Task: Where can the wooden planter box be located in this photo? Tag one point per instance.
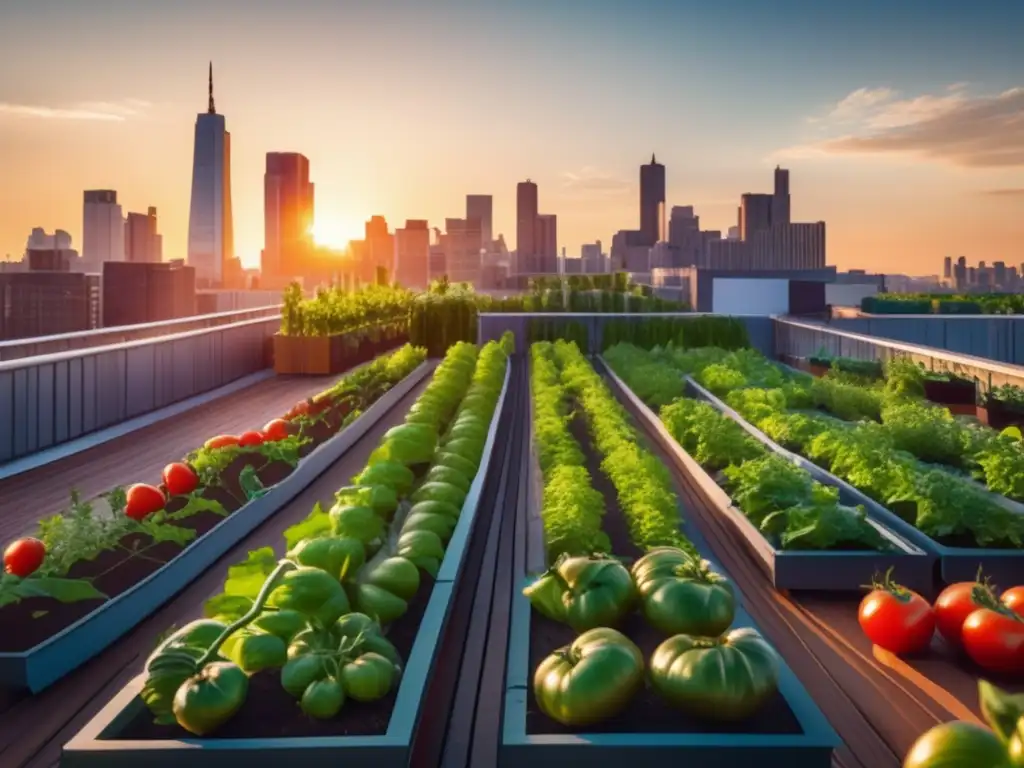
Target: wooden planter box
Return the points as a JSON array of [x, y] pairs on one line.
[[1000, 415], [959, 395], [303, 355], [819, 367]]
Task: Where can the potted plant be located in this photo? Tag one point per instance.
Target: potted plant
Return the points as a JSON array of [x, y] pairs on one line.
[[1002, 407]]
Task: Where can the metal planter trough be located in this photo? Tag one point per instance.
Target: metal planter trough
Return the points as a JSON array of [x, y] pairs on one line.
[[98, 744], [831, 570], [46, 663], [953, 564], [806, 741]]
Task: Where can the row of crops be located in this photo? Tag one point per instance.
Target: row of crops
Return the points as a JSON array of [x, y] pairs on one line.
[[944, 304]]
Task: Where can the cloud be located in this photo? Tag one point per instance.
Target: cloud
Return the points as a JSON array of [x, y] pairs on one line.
[[952, 127], [590, 180], [114, 111], [1010, 192]]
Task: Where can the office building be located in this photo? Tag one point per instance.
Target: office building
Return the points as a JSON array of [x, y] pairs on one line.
[[462, 243], [481, 207], [412, 254], [780, 198], [380, 248], [526, 226], [147, 292], [57, 247], [211, 241], [947, 267], [102, 229], [287, 216], [592, 258], [755, 214], [546, 244], [142, 241], [438, 263], [785, 247], [47, 298], [733, 233], [652, 202]]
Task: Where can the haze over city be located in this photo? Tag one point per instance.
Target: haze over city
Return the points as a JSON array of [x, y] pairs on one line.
[[901, 125]]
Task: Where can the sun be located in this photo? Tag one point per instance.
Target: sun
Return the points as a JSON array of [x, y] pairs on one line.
[[333, 232]]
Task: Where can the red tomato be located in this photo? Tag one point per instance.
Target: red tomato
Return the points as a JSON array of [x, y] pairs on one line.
[[221, 441], [896, 619], [955, 604], [301, 408], [1013, 598], [143, 501], [179, 479], [250, 439], [24, 556], [994, 639], [275, 430]]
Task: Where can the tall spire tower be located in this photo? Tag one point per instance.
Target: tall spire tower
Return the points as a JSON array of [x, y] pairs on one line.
[[211, 110], [210, 230]]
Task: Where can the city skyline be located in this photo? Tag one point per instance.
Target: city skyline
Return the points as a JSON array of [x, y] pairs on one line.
[[125, 127]]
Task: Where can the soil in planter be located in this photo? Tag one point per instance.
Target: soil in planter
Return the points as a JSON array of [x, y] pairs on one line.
[[269, 712], [647, 713]]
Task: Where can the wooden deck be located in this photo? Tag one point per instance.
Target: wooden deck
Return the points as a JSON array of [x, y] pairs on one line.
[[141, 455], [33, 730]]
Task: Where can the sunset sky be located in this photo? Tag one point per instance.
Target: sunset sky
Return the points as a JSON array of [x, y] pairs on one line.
[[902, 121]]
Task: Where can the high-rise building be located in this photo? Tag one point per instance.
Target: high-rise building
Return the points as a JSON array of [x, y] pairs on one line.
[[546, 239], [755, 214], [526, 226], [102, 229], [462, 243], [379, 251], [41, 302], [482, 207], [592, 258], [142, 241], [780, 198], [947, 267], [147, 292], [287, 216], [211, 240], [652, 202], [412, 254]]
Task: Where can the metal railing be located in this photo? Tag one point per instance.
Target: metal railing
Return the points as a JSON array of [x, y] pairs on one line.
[[17, 349], [46, 400], [802, 339]]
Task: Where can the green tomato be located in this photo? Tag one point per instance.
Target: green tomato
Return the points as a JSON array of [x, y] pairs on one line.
[[312, 592], [377, 602], [309, 641], [440, 525], [591, 680], [356, 522], [323, 699], [395, 574], [450, 476], [727, 678], [301, 672], [368, 678], [471, 450], [460, 464], [339, 556], [682, 595], [436, 507], [210, 698], [389, 473], [381, 499], [173, 662], [436, 491], [414, 545], [254, 652], [596, 591], [284, 624], [958, 745], [372, 639]]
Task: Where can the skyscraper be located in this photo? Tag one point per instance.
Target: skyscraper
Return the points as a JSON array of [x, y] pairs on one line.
[[102, 229], [652, 202], [287, 215], [412, 254], [546, 235], [482, 207], [780, 198], [142, 242], [526, 226], [755, 214], [210, 230]]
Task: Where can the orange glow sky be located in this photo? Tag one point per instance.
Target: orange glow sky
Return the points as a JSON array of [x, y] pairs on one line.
[[910, 149]]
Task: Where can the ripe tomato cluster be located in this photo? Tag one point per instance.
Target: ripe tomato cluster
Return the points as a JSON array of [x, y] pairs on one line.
[[968, 616]]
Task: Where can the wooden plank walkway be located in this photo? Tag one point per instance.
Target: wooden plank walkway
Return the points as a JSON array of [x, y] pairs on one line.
[[33, 730], [141, 455]]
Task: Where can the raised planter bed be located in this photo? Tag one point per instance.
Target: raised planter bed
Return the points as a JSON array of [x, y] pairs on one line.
[[999, 414], [325, 355], [40, 666], [959, 395], [788, 731], [384, 743], [838, 570], [954, 564]]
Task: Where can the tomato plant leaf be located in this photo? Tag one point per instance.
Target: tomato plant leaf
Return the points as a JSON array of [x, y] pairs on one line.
[[316, 524]]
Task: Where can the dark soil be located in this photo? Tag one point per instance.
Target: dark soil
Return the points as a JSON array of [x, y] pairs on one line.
[[270, 712], [647, 713], [137, 556]]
